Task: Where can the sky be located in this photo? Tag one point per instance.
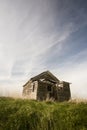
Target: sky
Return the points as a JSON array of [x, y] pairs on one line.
[[40, 35]]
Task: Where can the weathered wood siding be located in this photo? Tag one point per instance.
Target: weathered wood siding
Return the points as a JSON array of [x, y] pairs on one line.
[[38, 90], [63, 93], [43, 93], [30, 90]]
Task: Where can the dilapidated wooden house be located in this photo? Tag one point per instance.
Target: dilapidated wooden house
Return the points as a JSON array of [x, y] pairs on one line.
[[46, 86]]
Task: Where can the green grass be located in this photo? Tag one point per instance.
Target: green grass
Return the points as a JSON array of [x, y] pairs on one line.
[[22, 114]]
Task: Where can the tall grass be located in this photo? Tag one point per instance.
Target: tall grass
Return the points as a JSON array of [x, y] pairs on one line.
[[23, 114]]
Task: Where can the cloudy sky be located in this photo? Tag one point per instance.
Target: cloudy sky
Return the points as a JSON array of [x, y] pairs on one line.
[[40, 35]]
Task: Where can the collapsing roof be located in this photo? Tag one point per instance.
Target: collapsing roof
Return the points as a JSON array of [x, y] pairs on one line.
[[46, 75]]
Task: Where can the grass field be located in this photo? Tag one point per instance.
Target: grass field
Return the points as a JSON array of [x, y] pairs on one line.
[[23, 114]]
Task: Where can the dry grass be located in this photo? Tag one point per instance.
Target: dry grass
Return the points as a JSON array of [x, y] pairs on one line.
[[78, 100]]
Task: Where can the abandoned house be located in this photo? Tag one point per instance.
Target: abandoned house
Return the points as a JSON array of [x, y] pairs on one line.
[[46, 86]]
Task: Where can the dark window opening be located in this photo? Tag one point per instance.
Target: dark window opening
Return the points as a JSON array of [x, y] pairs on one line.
[[49, 88], [33, 87]]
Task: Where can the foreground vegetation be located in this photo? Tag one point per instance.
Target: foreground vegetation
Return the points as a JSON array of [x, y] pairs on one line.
[[19, 114]]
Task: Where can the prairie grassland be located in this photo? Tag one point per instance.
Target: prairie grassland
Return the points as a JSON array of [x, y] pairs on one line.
[[24, 114]]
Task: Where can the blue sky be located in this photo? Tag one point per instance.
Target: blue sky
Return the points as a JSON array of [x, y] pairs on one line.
[[37, 35]]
